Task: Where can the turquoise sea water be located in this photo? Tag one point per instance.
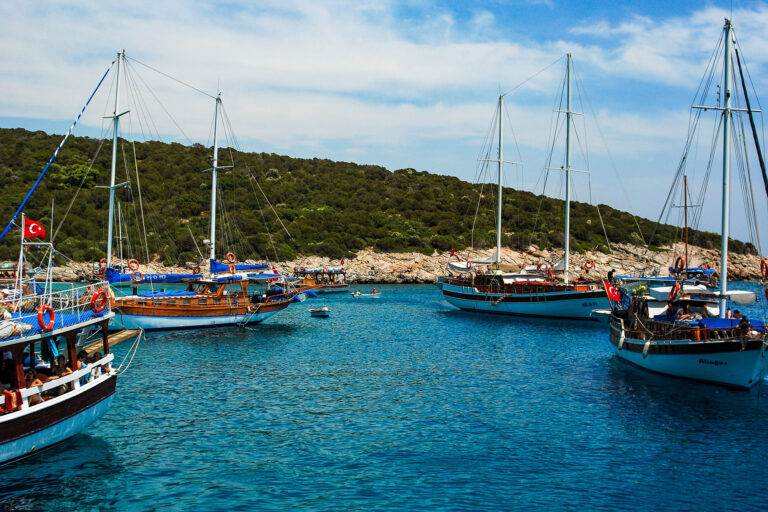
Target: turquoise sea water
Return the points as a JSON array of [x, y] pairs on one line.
[[401, 403]]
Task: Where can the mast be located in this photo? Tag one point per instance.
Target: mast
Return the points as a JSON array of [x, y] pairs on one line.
[[501, 154], [685, 215], [567, 244], [726, 168], [116, 119], [214, 167]]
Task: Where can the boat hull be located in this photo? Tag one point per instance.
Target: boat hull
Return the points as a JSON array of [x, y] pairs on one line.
[[157, 322], [41, 426], [566, 304], [718, 362], [333, 289]]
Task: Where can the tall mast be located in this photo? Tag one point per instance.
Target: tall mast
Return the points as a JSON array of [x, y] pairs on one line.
[[501, 159], [214, 168], [726, 168], [567, 244], [685, 209], [115, 119]]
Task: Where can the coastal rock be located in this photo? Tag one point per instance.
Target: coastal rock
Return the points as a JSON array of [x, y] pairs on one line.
[[372, 267]]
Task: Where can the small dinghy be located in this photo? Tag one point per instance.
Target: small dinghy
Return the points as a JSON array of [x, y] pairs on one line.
[[373, 295], [321, 312]]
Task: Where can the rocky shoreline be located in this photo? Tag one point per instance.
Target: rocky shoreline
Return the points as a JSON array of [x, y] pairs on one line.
[[369, 267]]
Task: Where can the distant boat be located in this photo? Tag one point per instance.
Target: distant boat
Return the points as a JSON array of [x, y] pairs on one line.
[[482, 285], [372, 295], [320, 312], [684, 340], [322, 279]]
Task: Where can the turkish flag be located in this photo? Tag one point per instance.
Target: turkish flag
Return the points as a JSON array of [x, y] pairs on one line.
[[612, 292], [33, 229]]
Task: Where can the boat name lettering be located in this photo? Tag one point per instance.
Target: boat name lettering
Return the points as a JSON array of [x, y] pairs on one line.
[[589, 304], [712, 362]]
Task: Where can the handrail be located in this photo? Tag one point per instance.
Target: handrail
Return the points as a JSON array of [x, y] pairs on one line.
[[66, 379], [74, 301]]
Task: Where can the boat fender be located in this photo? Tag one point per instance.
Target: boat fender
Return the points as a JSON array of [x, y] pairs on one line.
[[673, 292], [679, 264], [42, 310], [112, 298], [137, 276], [622, 338], [589, 265], [645, 348], [231, 257], [133, 264], [764, 268], [99, 301]]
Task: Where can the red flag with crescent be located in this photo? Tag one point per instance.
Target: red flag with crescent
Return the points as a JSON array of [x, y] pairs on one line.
[[612, 292], [33, 229]]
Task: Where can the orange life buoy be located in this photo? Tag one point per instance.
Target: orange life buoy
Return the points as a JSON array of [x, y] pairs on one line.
[[232, 269], [42, 310], [589, 265], [196, 270], [103, 263], [137, 276], [679, 264], [542, 266], [231, 257], [99, 301], [674, 290], [764, 267]]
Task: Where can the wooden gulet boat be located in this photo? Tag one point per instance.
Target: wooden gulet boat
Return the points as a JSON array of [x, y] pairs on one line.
[[322, 279], [725, 351], [529, 293], [221, 299], [47, 402]]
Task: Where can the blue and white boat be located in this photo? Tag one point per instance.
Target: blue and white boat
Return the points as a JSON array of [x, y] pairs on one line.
[[691, 343], [482, 285]]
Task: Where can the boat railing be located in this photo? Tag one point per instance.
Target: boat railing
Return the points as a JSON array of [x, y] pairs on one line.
[[35, 313], [90, 373]]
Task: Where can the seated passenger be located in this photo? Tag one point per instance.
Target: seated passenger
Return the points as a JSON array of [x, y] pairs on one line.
[[31, 381]]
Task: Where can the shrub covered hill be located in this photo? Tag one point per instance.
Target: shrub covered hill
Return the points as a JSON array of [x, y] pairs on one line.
[[325, 208]]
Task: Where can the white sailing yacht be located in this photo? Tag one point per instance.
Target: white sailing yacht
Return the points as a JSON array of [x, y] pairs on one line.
[[483, 285], [724, 351]]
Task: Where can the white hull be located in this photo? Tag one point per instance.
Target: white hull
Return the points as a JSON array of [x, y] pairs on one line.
[[148, 322], [331, 290], [701, 360], [569, 304]]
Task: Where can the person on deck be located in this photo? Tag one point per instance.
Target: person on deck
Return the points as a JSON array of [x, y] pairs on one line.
[[743, 327]]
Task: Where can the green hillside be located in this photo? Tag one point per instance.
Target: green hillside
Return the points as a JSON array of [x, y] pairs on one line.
[[329, 208]]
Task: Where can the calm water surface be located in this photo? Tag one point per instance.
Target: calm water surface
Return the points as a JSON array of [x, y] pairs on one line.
[[401, 403]]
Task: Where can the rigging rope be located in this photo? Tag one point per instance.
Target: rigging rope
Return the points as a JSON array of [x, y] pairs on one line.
[[55, 153]]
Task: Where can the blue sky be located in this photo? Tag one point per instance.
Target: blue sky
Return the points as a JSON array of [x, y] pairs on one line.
[[399, 84]]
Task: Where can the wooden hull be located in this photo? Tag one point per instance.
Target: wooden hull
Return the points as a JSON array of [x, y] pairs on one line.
[[195, 312], [30, 430]]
